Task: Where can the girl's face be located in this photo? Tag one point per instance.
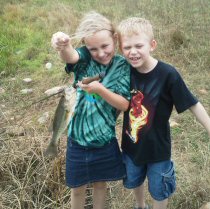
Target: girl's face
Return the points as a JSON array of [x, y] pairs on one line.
[[101, 46]]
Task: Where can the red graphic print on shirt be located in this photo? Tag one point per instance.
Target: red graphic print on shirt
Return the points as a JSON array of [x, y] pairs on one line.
[[138, 115]]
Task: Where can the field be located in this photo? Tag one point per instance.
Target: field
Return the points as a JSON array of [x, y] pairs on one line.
[[27, 179]]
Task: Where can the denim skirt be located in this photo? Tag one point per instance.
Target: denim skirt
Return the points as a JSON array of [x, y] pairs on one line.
[[87, 165]]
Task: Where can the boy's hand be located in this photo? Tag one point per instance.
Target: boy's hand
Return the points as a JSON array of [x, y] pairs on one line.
[[60, 41], [93, 87]]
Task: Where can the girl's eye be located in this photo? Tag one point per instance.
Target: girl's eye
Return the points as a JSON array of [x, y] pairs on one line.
[[92, 50], [126, 48], [104, 46]]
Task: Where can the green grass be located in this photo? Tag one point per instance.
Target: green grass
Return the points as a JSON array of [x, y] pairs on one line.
[[27, 179]]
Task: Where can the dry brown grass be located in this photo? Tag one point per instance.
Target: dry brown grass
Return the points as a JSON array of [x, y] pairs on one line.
[[27, 179]]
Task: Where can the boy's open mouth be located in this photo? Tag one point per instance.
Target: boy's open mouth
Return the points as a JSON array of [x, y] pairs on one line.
[[134, 58]]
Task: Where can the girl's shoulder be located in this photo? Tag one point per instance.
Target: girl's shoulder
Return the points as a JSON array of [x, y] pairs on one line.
[[84, 54], [120, 59], [119, 56]]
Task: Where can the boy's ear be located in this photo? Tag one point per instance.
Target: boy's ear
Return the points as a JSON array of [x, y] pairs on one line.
[[153, 45]]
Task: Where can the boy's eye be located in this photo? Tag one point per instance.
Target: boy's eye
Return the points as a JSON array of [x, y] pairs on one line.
[[139, 46]]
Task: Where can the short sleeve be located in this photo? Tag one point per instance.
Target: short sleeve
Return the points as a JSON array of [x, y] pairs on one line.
[[80, 67], [84, 59], [123, 83], [182, 97]]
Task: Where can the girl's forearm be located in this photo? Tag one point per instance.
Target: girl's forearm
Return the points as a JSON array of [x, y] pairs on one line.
[[116, 100], [69, 55]]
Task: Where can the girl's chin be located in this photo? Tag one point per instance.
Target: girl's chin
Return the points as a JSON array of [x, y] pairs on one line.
[[105, 62]]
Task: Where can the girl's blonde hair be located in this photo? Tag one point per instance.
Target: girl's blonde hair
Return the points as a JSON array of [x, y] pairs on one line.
[[91, 23], [135, 26]]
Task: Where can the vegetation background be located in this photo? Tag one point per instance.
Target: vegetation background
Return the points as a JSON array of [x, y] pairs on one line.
[[27, 179]]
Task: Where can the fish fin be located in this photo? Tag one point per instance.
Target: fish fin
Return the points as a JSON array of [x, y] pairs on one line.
[[51, 151]]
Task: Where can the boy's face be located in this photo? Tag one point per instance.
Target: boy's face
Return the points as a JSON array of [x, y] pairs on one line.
[[136, 49], [101, 46]]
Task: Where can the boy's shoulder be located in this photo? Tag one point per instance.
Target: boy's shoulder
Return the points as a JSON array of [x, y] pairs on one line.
[[168, 72], [166, 66], [167, 69]]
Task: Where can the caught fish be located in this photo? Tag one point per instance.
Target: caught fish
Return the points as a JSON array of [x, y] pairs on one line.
[[61, 119], [63, 114], [87, 80]]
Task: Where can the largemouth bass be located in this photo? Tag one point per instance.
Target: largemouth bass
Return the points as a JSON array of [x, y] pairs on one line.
[[63, 114], [61, 119]]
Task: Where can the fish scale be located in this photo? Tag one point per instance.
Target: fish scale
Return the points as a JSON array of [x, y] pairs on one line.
[[62, 118]]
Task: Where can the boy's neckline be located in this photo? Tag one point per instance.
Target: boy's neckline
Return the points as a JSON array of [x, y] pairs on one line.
[[150, 68]]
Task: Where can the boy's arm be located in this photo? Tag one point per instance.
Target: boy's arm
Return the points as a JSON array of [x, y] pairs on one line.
[[202, 116], [116, 100], [62, 43]]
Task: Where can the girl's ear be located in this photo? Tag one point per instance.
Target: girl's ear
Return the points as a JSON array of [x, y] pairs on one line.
[[153, 45], [115, 37], [83, 41]]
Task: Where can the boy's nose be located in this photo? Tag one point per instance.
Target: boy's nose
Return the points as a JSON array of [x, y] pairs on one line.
[[133, 51]]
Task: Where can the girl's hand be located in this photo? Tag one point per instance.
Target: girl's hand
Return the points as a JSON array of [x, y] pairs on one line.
[[60, 41], [93, 87]]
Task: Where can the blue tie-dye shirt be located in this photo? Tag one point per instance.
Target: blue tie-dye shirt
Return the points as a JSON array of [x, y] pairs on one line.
[[93, 122]]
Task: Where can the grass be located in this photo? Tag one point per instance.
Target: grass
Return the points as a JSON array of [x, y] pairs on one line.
[[27, 179]]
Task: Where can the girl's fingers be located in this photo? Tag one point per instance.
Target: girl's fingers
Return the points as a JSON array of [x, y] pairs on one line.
[[60, 40]]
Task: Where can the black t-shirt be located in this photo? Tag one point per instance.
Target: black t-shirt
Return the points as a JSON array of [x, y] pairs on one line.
[[146, 131]]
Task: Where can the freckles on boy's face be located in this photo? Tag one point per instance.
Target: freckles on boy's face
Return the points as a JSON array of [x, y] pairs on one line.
[[136, 49]]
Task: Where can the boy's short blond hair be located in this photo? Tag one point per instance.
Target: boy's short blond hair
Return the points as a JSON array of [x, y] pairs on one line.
[[135, 26], [91, 23]]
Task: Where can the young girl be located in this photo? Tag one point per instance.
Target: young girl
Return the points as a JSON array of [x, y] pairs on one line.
[[93, 154]]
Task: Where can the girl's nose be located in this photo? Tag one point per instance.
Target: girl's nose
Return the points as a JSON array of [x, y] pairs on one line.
[[101, 53]]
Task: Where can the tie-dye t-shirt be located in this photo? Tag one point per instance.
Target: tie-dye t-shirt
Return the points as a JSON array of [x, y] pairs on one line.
[[93, 121]]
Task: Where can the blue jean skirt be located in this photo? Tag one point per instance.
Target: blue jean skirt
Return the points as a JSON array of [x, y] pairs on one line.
[[87, 165]]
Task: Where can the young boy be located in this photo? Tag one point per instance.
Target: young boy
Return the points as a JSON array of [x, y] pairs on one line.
[[155, 87]]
